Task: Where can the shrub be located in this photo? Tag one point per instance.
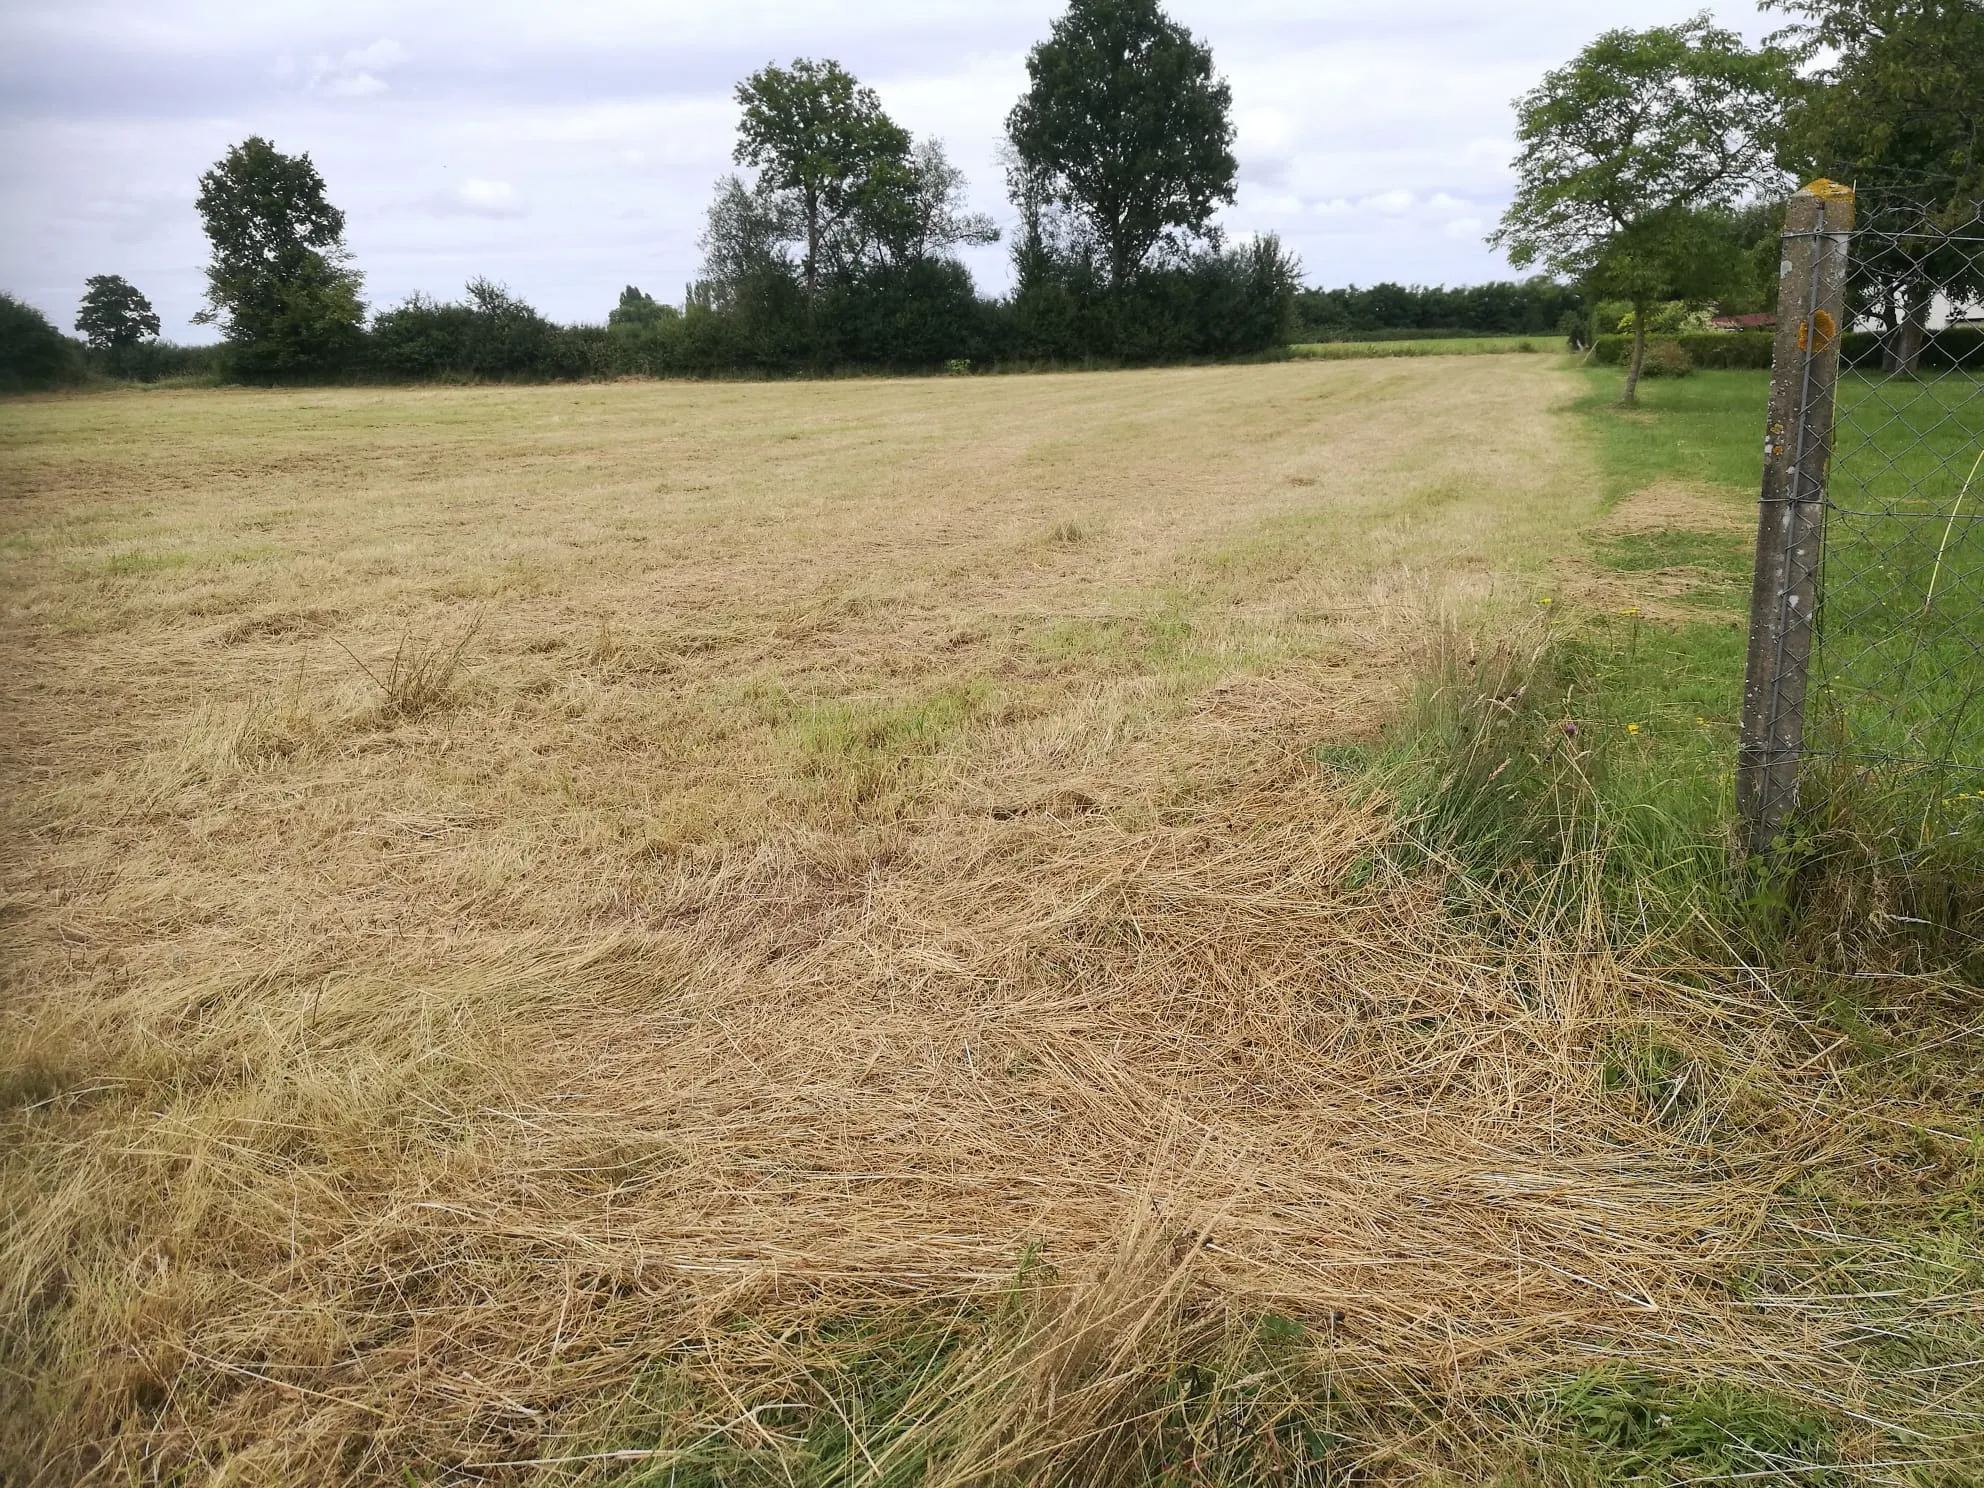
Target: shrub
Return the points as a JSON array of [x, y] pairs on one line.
[[1665, 358], [151, 361], [1383, 312], [1721, 349], [492, 335], [920, 314], [1959, 347], [1229, 303], [302, 326], [33, 354]]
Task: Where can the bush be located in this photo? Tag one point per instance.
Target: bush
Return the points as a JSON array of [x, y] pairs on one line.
[[1227, 303], [1722, 349], [1666, 359], [916, 315], [492, 335], [303, 325], [1383, 312], [152, 361], [1959, 348], [1667, 318], [33, 354]]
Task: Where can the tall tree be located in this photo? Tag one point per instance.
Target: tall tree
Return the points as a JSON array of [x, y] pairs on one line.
[[1893, 102], [811, 129], [278, 280], [114, 313], [1633, 156], [638, 310], [744, 240], [1125, 126], [910, 210], [1898, 91]]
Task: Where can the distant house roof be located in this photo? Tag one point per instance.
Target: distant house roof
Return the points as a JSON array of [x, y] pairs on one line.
[[1744, 322]]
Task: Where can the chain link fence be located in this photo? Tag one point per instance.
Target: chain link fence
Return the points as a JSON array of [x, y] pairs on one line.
[[1866, 673]]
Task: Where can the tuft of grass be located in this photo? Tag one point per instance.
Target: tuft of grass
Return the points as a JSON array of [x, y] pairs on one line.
[[1564, 771], [1066, 534], [422, 678], [143, 563], [1885, 872], [1643, 1429], [875, 756]]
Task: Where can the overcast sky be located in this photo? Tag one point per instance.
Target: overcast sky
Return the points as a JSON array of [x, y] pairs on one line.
[[569, 148]]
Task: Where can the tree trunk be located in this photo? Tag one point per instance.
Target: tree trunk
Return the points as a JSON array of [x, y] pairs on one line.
[[1632, 392], [812, 242], [1116, 235], [1911, 334]]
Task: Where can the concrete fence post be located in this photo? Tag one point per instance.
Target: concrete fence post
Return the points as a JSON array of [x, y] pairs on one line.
[[1811, 313]]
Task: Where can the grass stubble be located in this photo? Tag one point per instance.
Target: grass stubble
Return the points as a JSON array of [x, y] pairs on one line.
[[861, 897]]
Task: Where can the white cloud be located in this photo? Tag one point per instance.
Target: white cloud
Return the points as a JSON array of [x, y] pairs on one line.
[[382, 54], [480, 198], [352, 85], [353, 75], [1272, 131]]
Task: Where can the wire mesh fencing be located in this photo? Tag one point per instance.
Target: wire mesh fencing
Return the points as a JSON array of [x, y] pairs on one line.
[[1866, 676]]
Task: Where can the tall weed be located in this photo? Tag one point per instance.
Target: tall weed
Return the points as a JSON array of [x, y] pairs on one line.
[[1522, 765]]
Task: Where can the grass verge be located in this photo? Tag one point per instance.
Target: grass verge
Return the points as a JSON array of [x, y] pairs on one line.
[[1606, 734], [1580, 774]]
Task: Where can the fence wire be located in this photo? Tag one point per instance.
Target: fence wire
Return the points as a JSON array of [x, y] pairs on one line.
[[1898, 668]]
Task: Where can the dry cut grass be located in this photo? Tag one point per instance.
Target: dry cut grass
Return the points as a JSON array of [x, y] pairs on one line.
[[523, 905]]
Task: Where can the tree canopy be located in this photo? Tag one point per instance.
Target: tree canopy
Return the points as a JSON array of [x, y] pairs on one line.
[[1634, 157], [910, 209], [813, 130], [1893, 103], [1125, 127], [114, 313], [638, 308], [744, 240], [1897, 98], [278, 281]]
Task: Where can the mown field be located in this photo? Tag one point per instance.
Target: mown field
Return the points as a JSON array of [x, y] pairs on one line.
[[843, 932]]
